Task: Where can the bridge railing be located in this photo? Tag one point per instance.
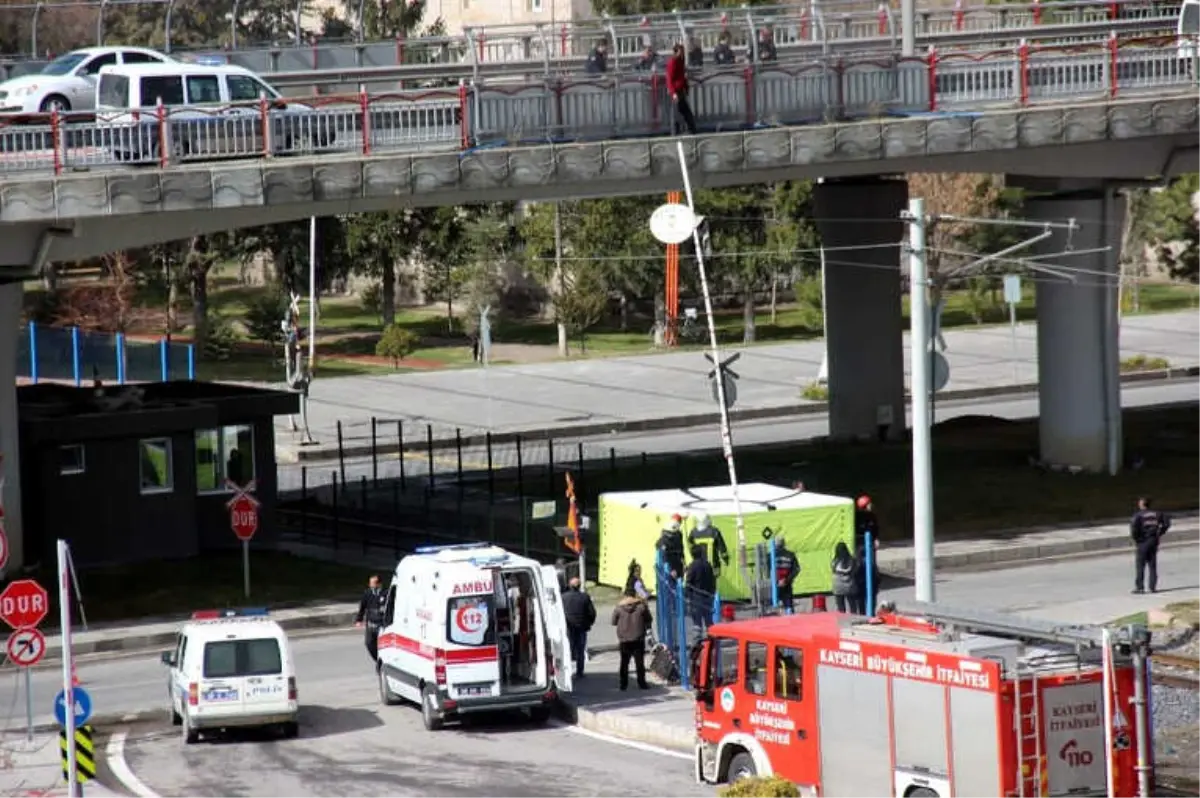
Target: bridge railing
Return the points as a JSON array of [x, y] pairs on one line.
[[823, 22], [68, 354], [561, 110]]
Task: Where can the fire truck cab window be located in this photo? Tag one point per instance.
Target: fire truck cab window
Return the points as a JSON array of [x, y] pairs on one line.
[[756, 668], [725, 662], [788, 668]]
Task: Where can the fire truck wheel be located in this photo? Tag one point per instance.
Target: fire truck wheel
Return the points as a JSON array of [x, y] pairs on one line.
[[741, 767], [429, 713]]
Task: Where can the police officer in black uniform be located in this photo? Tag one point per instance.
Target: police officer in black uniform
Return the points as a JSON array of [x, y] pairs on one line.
[[370, 615], [1147, 528], [670, 543]]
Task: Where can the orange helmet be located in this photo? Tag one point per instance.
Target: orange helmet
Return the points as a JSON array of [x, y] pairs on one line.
[[863, 502]]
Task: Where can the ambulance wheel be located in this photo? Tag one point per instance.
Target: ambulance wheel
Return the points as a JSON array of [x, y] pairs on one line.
[[386, 696], [175, 719], [921, 792], [190, 735], [741, 767], [539, 714], [429, 712]]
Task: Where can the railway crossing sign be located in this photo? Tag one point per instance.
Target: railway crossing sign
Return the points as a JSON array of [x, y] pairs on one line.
[[26, 647], [243, 510], [23, 604], [80, 701], [85, 753]]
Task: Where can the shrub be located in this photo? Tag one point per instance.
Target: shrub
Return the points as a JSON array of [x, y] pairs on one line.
[[397, 343], [371, 299], [815, 392], [221, 338], [264, 315], [761, 787], [1144, 363]]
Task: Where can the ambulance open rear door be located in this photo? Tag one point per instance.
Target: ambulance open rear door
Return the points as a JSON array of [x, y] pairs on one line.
[[556, 630]]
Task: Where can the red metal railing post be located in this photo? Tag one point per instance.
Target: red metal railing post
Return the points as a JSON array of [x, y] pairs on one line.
[[160, 116], [1114, 10], [1023, 72], [1113, 82], [482, 41], [364, 109], [748, 81], [1037, 12], [959, 15], [931, 62], [655, 112], [883, 20], [805, 25], [56, 142], [564, 37], [464, 107], [400, 48]]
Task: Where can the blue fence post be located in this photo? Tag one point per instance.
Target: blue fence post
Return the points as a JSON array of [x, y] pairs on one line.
[[774, 581], [163, 368], [682, 630], [869, 566], [191, 361], [75, 356], [716, 608], [662, 599], [33, 353], [120, 358]]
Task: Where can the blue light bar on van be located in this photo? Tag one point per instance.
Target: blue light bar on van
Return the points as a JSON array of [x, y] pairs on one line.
[[206, 60], [239, 612], [483, 562], [451, 547]]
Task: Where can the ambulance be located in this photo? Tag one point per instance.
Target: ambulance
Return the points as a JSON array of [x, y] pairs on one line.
[[931, 702], [472, 628]]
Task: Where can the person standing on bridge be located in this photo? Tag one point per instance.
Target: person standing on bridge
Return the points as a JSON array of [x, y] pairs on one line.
[[1147, 528], [370, 614], [677, 87]]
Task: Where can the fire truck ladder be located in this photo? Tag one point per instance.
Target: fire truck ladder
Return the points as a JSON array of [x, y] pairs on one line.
[[1029, 764], [1028, 629]]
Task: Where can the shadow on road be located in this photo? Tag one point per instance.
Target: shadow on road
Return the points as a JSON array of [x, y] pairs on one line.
[[320, 721]]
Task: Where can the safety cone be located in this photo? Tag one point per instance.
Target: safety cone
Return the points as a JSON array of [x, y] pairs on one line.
[[74, 676]]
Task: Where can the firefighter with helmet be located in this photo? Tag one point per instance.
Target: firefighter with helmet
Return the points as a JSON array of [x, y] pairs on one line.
[[865, 521], [670, 543], [708, 536]]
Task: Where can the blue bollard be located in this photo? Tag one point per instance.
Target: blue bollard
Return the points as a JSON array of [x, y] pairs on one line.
[[75, 369], [33, 353], [164, 369], [869, 567], [191, 361], [716, 610], [682, 630], [120, 358], [662, 600], [774, 581]]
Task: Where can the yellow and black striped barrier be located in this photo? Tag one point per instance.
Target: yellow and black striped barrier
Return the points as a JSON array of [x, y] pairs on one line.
[[85, 758]]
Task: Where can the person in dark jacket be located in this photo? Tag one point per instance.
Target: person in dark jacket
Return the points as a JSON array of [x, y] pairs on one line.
[[695, 54], [1147, 528], [597, 60], [634, 582], [766, 46], [580, 613], [370, 615], [865, 521], [723, 54], [846, 590], [670, 543], [700, 585], [787, 568], [632, 618], [648, 60], [677, 87]]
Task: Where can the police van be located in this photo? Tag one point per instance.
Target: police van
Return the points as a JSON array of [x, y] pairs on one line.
[[473, 628], [231, 669]]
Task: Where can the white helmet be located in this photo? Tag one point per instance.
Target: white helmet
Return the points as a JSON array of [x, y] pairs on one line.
[[703, 521]]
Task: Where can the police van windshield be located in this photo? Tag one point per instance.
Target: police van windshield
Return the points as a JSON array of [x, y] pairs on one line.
[[469, 621], [225, 659]]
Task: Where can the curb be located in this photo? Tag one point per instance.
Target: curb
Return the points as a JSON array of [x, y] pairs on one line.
[[650, 732], [355, 449]]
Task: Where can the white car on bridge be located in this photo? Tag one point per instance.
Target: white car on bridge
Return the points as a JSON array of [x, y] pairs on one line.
[[68, 83]]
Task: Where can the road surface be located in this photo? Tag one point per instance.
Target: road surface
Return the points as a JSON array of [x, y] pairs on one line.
[[750, 433]]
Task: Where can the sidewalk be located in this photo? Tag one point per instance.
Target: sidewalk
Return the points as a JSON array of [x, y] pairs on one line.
[[1012, 547], [34, 768]]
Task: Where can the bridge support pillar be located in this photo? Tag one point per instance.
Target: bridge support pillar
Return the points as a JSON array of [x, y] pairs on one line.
[[10, 467], [863, 324], [1079, 385]]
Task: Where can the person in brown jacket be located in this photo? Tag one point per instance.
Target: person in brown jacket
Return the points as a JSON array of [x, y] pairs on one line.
[[632, 618]]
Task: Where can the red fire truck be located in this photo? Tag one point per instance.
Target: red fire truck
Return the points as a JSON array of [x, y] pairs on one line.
[[924, 702]]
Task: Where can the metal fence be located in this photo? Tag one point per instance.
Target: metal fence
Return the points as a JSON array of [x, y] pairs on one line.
[[69, 354], [559, 110]]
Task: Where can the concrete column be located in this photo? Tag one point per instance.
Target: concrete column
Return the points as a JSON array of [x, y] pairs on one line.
[[1079, 387], [10, 468], [864, 324]]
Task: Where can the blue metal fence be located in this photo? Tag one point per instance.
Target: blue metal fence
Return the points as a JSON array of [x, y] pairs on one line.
[[69, 354]]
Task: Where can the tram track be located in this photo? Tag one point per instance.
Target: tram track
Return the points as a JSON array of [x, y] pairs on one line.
[[1176, 670]]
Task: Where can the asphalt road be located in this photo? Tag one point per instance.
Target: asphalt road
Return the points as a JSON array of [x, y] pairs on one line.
[[350, 745], [751, 433]]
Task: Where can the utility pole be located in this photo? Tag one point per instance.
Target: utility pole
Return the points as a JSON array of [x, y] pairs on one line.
[[908, 24], [918, 343], [562, 281]]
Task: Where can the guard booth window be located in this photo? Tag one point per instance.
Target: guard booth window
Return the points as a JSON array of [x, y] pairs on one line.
[[725, 662], [756, 668], [789, 681]]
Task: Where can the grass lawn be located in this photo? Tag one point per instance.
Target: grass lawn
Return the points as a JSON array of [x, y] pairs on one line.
[[176, 588], [983, 481]]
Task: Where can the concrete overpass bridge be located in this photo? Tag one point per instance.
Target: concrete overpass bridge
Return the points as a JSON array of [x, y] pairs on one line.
[[1071, 126]]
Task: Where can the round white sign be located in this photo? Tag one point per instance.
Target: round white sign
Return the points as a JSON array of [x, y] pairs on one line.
[[727, 699], [672, 223]]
